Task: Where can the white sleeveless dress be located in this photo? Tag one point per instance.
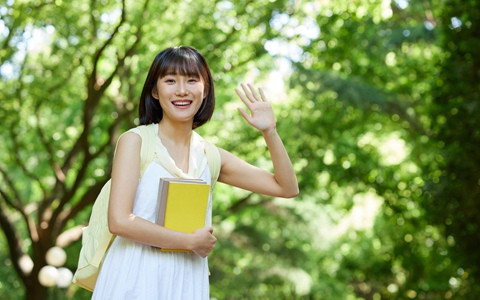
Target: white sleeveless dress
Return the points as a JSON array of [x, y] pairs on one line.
[[133, 270]]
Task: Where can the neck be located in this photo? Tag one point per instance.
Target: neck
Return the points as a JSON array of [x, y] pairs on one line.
[[179, 133]]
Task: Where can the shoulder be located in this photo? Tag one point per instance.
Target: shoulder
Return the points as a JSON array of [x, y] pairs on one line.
[[129, 140], [135, 134], [143, 130], [130, 136]]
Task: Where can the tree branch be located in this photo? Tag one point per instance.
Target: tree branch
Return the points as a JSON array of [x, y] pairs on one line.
[[13, 240], [14, 136], [69, 236], [93, 98], [6, 41], [61, 216], [121, 59], [64, 217], [93, 21], [88, 198], [7, 50], [92, 83], [18, 206], [89, 157], [240, 204], [59, 173]]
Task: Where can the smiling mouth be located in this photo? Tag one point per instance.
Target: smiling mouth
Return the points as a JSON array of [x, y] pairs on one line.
[[182, 103]]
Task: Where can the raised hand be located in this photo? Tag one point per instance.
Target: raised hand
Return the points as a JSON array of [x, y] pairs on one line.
[[261, 113]]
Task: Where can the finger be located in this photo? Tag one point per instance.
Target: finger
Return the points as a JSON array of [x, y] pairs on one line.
[[262, 94], [242, 97], [254, 93], [247, 93], [244, 115]]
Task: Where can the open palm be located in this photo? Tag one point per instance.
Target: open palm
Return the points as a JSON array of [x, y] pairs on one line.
[[261, 113]]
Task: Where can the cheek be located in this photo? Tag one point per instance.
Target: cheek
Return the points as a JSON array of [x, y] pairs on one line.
[[164, 92]]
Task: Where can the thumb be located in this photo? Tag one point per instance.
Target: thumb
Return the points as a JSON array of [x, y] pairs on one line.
[[244, 114]]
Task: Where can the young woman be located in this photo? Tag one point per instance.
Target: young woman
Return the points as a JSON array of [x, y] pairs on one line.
[[178, 96]]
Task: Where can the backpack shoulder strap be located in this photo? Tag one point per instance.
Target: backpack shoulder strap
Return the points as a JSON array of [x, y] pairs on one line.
[[147, 152], [214, 161]]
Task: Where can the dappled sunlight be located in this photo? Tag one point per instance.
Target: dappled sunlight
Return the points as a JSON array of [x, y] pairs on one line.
[[393, 150], [361, 216], [300, 279], [328, 224], [391, 147]]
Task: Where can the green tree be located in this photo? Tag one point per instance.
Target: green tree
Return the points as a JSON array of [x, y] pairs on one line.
[[453, 194], [378, 81], [380, 117]]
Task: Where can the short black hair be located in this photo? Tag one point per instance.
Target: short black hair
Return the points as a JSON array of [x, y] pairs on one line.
[[182, 60]]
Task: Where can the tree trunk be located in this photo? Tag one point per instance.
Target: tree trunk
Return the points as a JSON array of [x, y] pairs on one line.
[[35, 291]]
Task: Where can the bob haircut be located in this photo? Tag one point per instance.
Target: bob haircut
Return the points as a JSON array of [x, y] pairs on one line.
[[178, 60]]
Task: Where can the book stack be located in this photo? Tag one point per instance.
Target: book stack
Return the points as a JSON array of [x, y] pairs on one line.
[[182, 205]]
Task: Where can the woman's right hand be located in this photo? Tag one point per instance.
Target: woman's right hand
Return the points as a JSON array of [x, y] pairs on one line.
[[203, 241]]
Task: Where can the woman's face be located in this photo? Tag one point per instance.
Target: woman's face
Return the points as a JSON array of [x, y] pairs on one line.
[[180, 96]]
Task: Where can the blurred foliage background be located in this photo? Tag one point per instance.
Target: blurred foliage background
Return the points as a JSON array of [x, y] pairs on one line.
[[378, 102]]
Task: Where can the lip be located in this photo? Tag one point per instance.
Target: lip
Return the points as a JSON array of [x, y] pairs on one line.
[[182, 103]]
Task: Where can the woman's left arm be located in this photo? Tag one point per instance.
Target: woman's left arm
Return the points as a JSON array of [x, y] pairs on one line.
[[236, 172]]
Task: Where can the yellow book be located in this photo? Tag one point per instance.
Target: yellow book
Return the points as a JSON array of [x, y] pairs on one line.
[[182, 205]]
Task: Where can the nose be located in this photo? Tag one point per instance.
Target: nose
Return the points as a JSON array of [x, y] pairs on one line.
[[181, 89]]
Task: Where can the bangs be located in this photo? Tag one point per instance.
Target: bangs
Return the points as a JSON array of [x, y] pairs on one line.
[[181, 63]]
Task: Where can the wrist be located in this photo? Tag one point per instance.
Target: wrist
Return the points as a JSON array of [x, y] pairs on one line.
[[269, 131], [189, 241]]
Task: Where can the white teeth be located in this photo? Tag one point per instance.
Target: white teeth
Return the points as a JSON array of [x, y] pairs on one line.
[[181, 103]]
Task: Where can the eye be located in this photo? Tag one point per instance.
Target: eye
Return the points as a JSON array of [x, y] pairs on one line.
[[192, 79], [169, 80]]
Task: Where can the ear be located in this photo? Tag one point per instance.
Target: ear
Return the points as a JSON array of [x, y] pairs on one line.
[[155, 93]]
